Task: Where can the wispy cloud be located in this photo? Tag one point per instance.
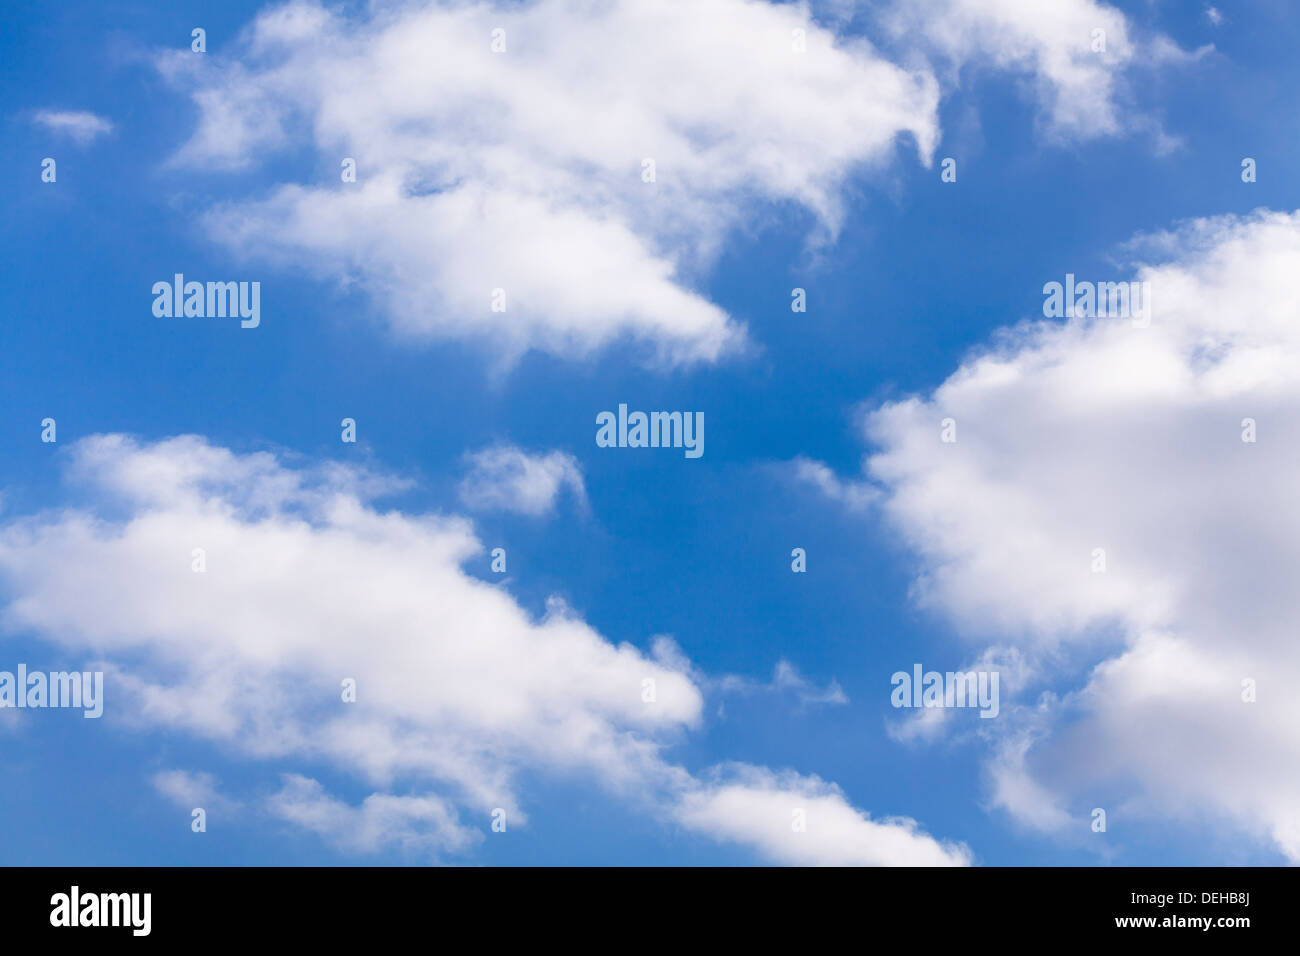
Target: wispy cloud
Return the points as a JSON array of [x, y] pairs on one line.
[[78, 125], [506, 478], [190, 789], [425, 825], [1083, 56], [786, 679], [856, 495]]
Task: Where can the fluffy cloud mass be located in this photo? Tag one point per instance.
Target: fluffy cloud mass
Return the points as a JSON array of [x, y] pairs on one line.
[[301, 585], [821, 827], [559, 175], [525, 170], [1103, 434]]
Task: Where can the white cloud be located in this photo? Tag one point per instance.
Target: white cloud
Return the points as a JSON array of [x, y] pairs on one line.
[[787, 679], [189, 790], [423, 824], [854, 495], [1014, 670], [78, 125], [754, 805], [1079, 54], [505, 478], [458, 689], [307, 586], [1098, 433], [523, 170]]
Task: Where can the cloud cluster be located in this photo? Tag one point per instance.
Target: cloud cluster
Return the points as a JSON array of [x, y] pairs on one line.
[[305, 585], [560, 175], [1079, 55], [525, 169], [1101, 438]]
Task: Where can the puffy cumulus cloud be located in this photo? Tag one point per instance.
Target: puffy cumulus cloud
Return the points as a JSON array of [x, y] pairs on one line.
[[81, 126], [817, 825], [523, 170], [306, 585], [1079, 53], [1102, 434], [505, 478]]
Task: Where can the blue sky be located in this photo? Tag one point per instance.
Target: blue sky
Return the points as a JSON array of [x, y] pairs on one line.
[[916, 276]]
